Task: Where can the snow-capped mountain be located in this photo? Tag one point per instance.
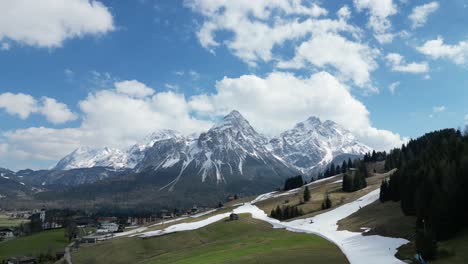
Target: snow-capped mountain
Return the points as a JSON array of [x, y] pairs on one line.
[[85, 157], [136, 153], [312, 143], [229, 151]]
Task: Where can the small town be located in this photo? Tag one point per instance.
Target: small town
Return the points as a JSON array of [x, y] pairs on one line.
[[72, 228]]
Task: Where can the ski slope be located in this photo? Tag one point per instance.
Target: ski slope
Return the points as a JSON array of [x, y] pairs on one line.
[[357, 248]]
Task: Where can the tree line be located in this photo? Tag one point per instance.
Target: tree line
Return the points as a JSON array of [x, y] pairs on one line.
[[286, 212], [333, 169], [430, 183]]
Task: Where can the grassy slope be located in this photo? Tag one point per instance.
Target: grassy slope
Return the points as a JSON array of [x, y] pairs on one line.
[[318, 192], [243, 241], [5, 220], [387, 219], [53, 240]]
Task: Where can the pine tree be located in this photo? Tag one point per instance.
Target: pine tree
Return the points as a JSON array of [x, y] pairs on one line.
[[344, 167], [306, 194], [332, 169], [350, 164]]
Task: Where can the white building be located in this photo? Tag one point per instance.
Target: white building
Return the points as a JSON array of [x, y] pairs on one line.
[[111, 227]]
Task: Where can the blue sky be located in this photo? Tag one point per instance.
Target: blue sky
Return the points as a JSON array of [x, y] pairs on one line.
[[387, 70]]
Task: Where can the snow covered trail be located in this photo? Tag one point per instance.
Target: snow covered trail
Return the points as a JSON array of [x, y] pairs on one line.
[[136, 231], [276, 194], [357, 248]]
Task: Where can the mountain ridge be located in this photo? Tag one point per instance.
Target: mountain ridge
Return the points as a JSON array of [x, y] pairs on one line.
[[307, 147]]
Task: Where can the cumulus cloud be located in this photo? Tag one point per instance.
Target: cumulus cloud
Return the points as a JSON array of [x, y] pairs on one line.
[[353, 61], [271, 110], [23, 105], [259, 27], [114, 119], [56, 112], [19, 104], [133, 88], [420, 13], [109, 118], [344, 13], [398, 64], [48, 23], [254, 37], [379, 13], [437, 49]]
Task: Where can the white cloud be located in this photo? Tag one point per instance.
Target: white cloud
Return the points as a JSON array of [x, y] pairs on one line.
[[344, 13], [48, 23], [398, 64], [133, 88], [114, 119], [194, 75], [353, 61], [271, 109], [379, 13], [56, 112], [437, 49], [18, 104], [260, 25], [5, 46], [23, 105], [171, 86], [438, 109], [393, 86], [109, 119], [69, 73], [420, 13]]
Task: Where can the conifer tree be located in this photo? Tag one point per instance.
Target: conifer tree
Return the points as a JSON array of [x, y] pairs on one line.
[[344, 167], [306, 194]]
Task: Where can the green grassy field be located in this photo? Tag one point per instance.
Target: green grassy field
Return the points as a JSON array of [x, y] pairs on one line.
[[243, 241], [43, 242], [5, 220]]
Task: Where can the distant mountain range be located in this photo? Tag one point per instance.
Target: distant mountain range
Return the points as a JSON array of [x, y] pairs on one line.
[[231, 157], [309, 145]]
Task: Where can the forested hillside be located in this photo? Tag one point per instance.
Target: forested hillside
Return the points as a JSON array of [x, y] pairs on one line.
[[431, 182]]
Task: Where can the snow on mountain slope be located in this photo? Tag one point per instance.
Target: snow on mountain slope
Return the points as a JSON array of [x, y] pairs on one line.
[[137, 152], [313, 143], [85, 157], [356, 247], [230, 147]]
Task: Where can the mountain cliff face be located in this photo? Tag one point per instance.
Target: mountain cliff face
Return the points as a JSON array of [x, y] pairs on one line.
[[84, 157], [230, 151], [170, 169], [314, 144]]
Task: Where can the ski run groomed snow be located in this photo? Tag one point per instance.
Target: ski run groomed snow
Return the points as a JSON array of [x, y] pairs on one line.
[[357, 248]]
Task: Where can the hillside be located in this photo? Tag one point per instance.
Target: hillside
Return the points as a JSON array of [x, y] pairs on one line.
[[246, 240]]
